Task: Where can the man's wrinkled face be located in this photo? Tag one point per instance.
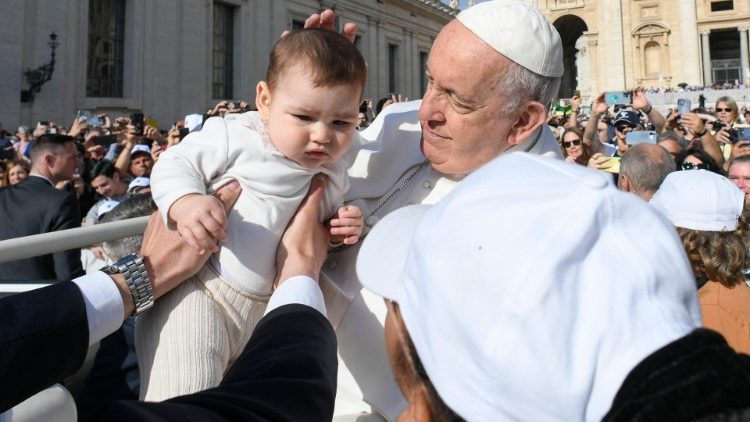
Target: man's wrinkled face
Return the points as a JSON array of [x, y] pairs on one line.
[[463, 121], [739, 174]]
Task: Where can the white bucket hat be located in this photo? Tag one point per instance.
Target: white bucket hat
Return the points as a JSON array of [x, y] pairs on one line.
[[700, 200], [533, 289], [519, 31]]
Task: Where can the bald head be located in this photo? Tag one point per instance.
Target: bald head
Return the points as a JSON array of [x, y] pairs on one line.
[[643, 168]]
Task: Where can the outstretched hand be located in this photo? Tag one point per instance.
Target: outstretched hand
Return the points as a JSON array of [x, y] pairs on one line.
[[326, 20], [304, 246]]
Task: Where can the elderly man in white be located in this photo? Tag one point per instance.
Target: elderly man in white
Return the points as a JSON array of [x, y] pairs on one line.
[[491, 73]]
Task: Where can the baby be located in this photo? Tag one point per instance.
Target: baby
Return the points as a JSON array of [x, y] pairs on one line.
[[307, 115]]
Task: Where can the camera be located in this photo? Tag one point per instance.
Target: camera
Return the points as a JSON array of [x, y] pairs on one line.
[[717, 125], [137, 120], [184, 132], [617, 98]]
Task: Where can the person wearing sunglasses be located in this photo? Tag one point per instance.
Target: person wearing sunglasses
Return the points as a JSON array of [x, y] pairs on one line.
[[696, 159], [728, 117], [574, 149]]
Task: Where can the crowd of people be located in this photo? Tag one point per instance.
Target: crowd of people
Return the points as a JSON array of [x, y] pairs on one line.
[[508, 276]]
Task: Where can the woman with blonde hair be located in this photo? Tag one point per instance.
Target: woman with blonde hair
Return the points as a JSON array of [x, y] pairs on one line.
[[708, 211], [15, 172]]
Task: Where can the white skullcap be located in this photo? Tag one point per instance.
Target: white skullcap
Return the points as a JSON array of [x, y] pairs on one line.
[[518, 31], [533, 289], [700, 200]]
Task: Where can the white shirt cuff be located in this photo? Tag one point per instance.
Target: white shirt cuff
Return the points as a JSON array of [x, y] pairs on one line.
[[298, 289], [104, 307]]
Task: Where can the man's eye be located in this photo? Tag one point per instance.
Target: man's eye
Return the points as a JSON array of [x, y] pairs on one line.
[[303, 118]]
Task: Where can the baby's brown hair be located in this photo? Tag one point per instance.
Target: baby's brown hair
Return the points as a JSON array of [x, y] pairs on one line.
[[330, 58]]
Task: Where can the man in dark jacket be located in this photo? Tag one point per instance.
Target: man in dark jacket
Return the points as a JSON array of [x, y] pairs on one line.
[[35, 206]]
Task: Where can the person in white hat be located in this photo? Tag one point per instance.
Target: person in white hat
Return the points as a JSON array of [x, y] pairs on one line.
[[708, 211], [492, 72], [480, 329]]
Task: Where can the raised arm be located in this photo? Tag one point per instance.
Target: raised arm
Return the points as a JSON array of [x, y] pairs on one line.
[[591, 132], [640, 102]]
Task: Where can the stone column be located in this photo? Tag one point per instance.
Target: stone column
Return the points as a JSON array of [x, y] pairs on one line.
[[583, 66], [707, 76], [690, 47], [743, 55]]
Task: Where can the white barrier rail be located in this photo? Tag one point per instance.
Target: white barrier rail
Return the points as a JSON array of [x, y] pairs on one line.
[[45, 243]]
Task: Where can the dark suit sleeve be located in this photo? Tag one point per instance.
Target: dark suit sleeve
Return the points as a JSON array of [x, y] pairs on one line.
[[44, 337], [286, 373], [67, 216]]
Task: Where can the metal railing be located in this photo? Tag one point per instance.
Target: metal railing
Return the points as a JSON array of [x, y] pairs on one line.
[[46, 243]]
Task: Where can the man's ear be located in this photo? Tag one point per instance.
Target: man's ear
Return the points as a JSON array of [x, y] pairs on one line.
[[623, 183], [49, 160], [530, 116], [263, 99]]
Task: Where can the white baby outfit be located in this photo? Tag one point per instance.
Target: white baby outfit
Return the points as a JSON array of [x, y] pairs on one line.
[[193, 335]]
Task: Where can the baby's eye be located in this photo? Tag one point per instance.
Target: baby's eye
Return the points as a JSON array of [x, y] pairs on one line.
[[341, 123], [303, 118]]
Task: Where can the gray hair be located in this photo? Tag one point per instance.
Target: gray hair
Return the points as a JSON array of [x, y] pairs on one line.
[[646, 166], [521, 85], [135, 206], [669, 135]]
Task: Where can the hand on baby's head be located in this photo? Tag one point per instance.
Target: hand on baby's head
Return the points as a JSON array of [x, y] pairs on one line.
[[346, 225], [201, 221]]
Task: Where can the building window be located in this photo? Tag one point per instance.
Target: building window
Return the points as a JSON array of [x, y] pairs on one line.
[[652, 58], [104, 70], [223, 51], [423, 72], [392, 67], [722, 5]]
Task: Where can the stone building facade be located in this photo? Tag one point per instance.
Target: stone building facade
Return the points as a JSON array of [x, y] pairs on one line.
[[617, 44], [168, 58]]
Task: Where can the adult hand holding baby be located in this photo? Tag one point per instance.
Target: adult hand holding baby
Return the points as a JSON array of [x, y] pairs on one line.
[[169, 259]]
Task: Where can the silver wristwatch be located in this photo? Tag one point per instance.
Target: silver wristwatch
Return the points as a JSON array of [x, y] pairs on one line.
[[132, 268]]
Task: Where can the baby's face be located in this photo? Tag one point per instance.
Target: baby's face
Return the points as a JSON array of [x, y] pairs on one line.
[[311, 125]]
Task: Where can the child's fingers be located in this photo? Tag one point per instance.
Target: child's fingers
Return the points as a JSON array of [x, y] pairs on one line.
[[345, 231], [350, 212], [217, 212], [216, 229], [190, 240], [341, 222], [204, 239]]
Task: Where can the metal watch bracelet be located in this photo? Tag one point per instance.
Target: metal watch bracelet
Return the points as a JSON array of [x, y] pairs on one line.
[[134, 271]]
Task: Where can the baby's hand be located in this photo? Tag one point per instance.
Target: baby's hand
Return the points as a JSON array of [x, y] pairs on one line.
[[346, 226], [201, 221]]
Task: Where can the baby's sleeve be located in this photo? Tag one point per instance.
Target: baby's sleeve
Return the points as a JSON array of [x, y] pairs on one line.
[[190, 166]]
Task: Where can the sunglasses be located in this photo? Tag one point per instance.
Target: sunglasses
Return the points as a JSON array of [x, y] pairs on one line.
[[568, 144], [728, 110], [686, 165]]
